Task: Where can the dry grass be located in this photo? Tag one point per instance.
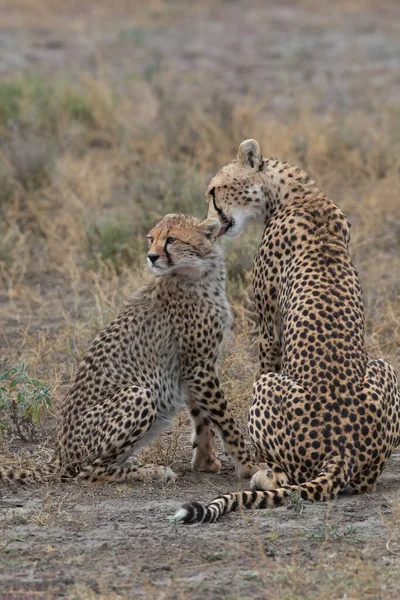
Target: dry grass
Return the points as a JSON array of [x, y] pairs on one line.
[[75, 213]]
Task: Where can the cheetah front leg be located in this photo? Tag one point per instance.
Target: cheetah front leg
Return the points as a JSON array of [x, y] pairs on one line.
[[270, 351], [203, 439], [205, 387]]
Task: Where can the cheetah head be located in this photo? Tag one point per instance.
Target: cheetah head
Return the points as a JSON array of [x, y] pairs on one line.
[[236, 194], [182, 244]]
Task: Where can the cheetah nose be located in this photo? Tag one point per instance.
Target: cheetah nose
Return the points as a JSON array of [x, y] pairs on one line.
[[153, 257]]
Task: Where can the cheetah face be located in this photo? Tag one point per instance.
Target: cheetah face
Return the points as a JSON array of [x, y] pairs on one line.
[[236, 195], [181, 244]]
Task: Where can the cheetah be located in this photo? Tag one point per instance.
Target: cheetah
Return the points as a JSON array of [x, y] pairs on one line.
[[323, 415], [158, 355]]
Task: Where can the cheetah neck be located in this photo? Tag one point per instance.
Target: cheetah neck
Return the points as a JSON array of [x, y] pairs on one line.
[[209, 274], [285, 184]]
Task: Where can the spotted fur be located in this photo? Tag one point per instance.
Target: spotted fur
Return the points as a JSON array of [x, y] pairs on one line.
[[158, 355], [323, 416]]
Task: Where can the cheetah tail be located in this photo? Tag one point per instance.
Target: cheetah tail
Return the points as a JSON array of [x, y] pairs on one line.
[[322, 488], [37, 474]]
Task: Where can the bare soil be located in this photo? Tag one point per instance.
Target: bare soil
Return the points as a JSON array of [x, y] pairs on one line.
[[116, 540]]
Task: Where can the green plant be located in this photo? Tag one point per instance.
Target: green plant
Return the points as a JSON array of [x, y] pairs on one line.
[[296, 502], [32, 159], [10, 95], [9, 237], [239, 256], [6, 187], [249, 575], [26, 100], [166, 188], [214, 556], [77, 106], [22, 401], [114, 242], [132, 34], [331, 532]]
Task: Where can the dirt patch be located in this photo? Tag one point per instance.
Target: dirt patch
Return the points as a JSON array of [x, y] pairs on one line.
[[116, 540]]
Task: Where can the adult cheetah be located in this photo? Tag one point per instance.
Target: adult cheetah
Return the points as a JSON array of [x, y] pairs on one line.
[[323, 415], [158, 355]]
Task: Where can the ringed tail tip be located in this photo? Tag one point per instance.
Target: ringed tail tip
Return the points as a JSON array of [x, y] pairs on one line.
[[194, 512]]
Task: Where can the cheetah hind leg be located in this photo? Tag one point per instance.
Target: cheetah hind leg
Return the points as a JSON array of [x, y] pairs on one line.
[[381, 397], [263, 428], [127, 473], [203, 440], [128, 422]]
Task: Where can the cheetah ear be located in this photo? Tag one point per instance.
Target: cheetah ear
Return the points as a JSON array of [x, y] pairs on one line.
[[169, 215], [210, 227], [249, 154]]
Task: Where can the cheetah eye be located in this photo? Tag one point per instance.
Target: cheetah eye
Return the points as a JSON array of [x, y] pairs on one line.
[[212, 193], [150, 240], [171, 240]]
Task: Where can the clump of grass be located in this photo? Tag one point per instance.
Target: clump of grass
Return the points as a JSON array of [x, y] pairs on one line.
[[31, 159], [6, 187], [9, 238], [214, 556], [132, 34], [76, 106], [331, 532], [166, 188], [35, 104], [296, 502], [239, 256], [26, 99], [114, 242], [23, 401], [167, 448], [10, 95]]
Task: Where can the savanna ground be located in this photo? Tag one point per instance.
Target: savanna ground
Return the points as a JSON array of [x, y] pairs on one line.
[[111, 115]]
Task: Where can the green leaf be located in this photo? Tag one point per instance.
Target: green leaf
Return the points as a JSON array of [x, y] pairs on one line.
[[21, 397], [5, 375], [19, 392]]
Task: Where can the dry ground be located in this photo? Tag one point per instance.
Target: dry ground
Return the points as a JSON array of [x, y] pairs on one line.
[[111, 115]]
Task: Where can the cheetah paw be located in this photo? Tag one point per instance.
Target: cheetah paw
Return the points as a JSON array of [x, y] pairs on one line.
[[265, 479], [169, 475], [155, 473], [207, 466], [247, 471]]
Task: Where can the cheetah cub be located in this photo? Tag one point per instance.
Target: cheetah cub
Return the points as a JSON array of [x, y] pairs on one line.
[[158, 355]]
